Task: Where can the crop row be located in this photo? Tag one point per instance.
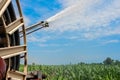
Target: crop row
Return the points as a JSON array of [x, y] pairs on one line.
[[79, 71]]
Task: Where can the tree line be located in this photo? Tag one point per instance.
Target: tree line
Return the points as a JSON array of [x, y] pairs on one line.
[[110, 61]]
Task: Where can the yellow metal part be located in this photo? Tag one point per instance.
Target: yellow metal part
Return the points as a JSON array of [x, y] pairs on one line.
[[3, 5], [9, 26], [12, 27], [12, 51]]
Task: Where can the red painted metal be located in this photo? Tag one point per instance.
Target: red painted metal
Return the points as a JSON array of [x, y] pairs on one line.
[[2, 68]]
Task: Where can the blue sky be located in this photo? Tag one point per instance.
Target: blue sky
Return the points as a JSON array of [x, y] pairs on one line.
[[85, 30]]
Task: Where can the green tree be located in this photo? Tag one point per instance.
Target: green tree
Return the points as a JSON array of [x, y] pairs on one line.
[[33, 66], [117, 62], [108, 61]]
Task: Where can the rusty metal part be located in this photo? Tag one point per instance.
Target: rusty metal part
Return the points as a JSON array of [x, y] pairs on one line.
[[36, 75], [2, 68]]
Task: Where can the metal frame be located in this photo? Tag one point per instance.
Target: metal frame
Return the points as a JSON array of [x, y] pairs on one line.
[[3, 5], [11, 28], [12, 51]]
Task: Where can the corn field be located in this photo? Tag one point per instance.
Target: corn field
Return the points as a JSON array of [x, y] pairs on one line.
[[78, 71]]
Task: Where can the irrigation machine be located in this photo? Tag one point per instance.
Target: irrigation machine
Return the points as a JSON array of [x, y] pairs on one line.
[[13, 41]]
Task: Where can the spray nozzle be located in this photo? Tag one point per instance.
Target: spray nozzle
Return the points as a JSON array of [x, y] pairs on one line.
[[45, 24]]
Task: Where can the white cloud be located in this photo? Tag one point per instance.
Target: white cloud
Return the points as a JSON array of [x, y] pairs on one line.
[[54, 45], [88, 17], [73, 37], [42, 41], [35, 38], [110, 41], [27, 20], [48, 45], [32, 38], [67, 3]]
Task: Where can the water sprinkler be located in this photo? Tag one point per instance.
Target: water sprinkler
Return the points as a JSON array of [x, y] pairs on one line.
[[36, 27], [45, 24]]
